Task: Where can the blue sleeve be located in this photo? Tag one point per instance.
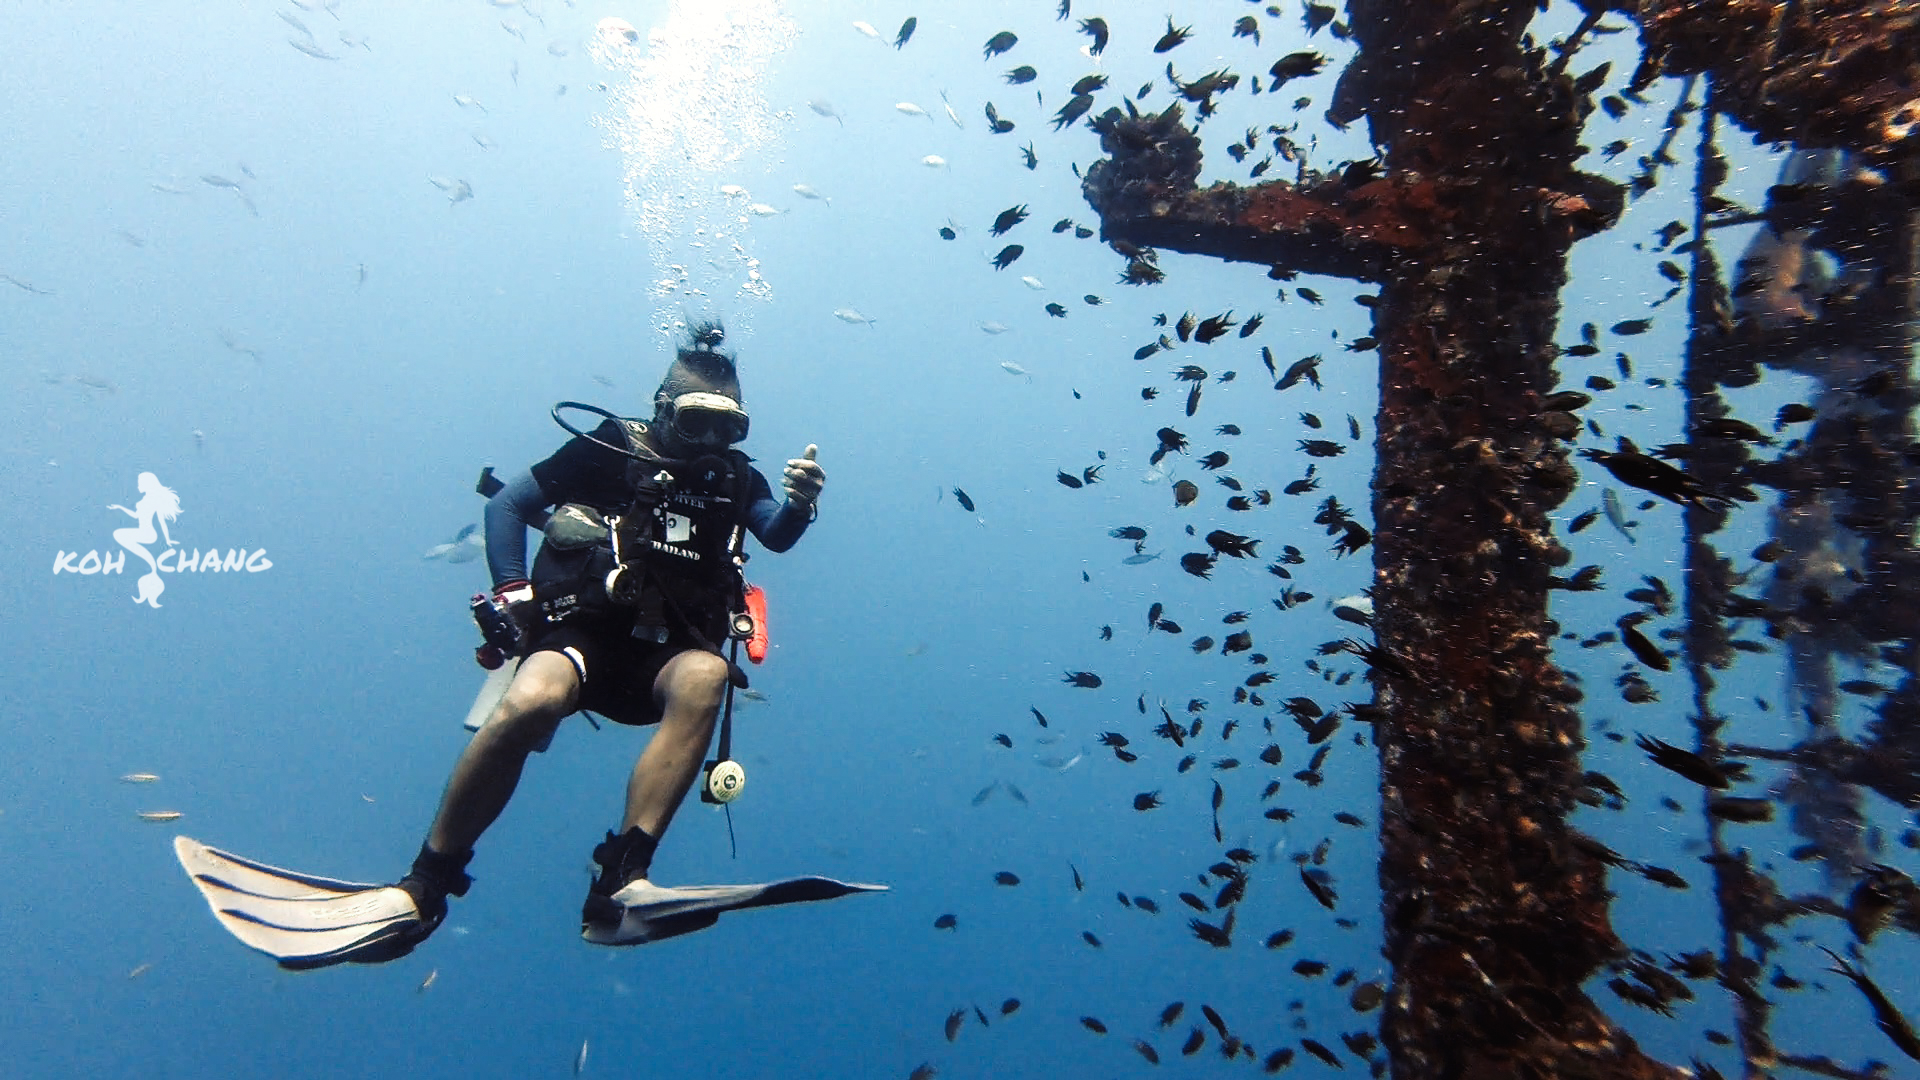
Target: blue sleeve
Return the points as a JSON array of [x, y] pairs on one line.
[[513, 510], [777, 525]]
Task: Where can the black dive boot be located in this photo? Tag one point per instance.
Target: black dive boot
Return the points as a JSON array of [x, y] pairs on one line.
[[622, 859], [433, 878]]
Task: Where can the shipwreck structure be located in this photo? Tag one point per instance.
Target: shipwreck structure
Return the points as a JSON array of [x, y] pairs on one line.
[[1496, 909]]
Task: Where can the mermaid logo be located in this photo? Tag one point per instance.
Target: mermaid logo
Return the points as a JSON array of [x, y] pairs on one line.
[[158, 505], [156, 509]]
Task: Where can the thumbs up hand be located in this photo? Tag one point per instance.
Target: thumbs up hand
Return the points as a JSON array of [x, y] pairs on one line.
[[804, 478]]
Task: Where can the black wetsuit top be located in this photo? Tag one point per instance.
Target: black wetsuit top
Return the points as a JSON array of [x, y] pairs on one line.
[[583, 471]]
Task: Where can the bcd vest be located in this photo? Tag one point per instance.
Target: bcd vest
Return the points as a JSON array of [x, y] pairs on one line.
[[672, 545]]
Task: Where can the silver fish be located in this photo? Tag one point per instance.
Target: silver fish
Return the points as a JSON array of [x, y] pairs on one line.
[[825, 108], [311, 49], [1617, 515], [26, 286], [1356, 609], [851, 317], [457, 190], [806, 191], [467, 545], [233, 343], [1141, 559]]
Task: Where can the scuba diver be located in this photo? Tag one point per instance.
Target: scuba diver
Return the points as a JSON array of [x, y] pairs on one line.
[[635, 586]]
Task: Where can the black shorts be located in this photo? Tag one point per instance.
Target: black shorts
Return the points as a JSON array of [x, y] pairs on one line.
[[617, 669]]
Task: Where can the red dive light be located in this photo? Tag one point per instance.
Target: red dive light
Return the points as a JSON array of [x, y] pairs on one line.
[[756, 599]]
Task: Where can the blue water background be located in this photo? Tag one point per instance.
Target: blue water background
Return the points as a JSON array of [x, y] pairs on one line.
[[306, 715]]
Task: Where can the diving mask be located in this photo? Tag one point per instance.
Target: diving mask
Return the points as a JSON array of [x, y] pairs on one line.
[[705, 419]]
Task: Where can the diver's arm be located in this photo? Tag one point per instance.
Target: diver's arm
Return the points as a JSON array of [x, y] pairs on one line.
[[777, 525], [518, 506]]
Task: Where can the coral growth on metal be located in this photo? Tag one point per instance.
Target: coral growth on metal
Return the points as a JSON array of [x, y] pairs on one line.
[[1816, 73]]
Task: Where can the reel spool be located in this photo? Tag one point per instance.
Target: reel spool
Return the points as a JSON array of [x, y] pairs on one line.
[[724, 782]]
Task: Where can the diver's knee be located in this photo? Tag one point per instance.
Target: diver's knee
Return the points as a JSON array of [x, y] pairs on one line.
[[529, 713], [536, 701], [697, 678], [521, 732], [545, 685]]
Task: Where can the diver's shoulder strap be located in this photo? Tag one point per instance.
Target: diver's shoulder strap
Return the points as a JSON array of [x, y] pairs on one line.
[[644, 460], [742, 480]]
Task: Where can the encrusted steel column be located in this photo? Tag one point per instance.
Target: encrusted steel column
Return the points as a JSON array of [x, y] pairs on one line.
[[1496, 913], [1496, 916]]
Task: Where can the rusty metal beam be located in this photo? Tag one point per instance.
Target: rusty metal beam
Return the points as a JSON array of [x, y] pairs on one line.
[[1496, 912], [1324, 226], [1814, 73], [1496, 915]]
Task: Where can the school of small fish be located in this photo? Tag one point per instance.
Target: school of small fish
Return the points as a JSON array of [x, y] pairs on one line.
[[1183, 738], [1186, 748]]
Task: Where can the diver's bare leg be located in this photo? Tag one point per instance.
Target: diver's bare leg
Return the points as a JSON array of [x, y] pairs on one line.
[[688, 691], [541, 694]]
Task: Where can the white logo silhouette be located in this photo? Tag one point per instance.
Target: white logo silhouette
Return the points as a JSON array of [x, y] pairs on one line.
[[158, 506]]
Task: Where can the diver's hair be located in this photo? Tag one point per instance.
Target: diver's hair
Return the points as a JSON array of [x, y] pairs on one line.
[[699, 365], [706, 334]]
